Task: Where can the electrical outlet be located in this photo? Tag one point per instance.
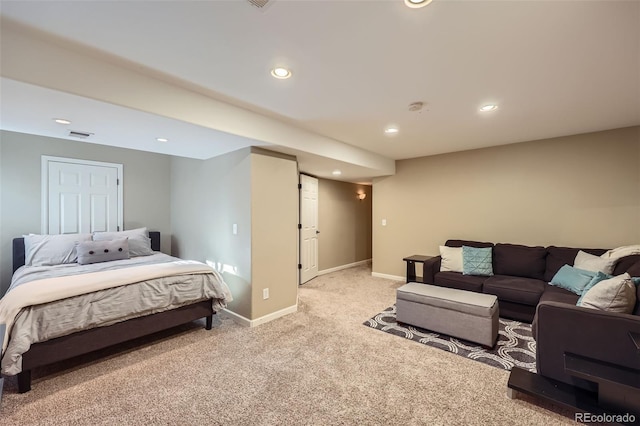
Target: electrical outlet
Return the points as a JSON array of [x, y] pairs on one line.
[[235, 229], [384, 222], [265, 293]]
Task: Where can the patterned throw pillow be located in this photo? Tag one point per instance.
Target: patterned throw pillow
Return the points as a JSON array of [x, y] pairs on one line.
[[477, 261], [102, 251]]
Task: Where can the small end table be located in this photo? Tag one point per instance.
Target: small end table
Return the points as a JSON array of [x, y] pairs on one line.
[[411, 267]]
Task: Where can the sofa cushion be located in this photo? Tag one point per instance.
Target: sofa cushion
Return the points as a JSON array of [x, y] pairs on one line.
[[519, 261], [557, 294], [560, 256], [633, 270], [515, 289], [460, 243], [630, 264], [459, 281]]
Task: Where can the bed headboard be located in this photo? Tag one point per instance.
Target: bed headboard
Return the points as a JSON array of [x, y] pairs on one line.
[[18, 248]]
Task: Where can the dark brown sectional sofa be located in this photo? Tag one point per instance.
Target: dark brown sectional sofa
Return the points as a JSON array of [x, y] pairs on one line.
[[521, 283], [521, 276]]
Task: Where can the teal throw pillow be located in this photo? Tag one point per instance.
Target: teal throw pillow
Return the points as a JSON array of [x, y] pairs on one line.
[[572, 279], [477, 261], [600, 276]]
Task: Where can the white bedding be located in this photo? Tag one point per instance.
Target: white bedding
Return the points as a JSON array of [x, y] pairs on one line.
[[48, 302]]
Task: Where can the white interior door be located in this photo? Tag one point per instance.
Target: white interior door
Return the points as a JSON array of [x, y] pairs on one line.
[[309, 228], [81, 196]]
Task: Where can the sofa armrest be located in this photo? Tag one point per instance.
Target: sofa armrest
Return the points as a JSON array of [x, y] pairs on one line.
[[430, 268], [605, 337]]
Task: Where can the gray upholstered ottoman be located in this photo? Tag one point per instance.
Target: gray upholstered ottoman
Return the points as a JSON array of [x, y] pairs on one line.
[[458, 313]]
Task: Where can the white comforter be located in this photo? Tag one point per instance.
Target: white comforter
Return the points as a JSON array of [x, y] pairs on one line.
[[70, 299]]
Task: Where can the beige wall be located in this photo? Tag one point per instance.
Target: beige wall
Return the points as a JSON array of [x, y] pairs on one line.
[[258, 193], [274, 218], [581, 190], [207, 198], [146, 187], [344, 222]]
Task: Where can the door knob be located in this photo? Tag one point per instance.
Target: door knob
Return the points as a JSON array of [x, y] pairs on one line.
[[317, 232]]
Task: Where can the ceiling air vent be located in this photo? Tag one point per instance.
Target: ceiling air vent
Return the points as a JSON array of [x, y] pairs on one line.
[[76, 134], [261, 4]]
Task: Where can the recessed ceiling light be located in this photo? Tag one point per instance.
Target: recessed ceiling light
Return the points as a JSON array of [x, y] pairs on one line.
[[336, 172], [488, 107], [61, 121], [391, 130], [281, 73], [162, 139], [414, 4]]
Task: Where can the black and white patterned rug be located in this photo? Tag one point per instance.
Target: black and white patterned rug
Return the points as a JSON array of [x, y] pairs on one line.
[[515, 345]]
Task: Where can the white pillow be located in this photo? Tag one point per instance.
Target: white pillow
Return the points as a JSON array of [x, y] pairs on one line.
[[49, 250], [592, 263], [617, 294], [451, 259], [139, 241]]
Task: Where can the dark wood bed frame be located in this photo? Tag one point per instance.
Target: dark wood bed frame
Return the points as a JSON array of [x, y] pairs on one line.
[[86, 341]]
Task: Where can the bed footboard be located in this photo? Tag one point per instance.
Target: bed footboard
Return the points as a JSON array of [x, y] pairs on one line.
[[83, 342]]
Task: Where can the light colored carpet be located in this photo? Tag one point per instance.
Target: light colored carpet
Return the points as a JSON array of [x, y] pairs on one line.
[[320, 365]]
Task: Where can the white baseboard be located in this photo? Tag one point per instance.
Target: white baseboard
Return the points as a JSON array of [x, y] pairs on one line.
[[347, 266], [253, 323], [387, 276]]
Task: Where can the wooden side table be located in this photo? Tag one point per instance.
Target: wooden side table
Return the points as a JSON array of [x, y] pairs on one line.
[[411, 267]]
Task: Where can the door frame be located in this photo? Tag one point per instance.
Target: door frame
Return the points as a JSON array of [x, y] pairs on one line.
[[44, 186]]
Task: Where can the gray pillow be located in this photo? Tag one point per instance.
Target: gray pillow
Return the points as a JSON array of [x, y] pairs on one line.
[[617, 294], [102, 251], [139, 241], [48, 250]]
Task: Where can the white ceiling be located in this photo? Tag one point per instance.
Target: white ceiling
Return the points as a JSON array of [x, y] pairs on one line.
[[554, 68], [23, 111]]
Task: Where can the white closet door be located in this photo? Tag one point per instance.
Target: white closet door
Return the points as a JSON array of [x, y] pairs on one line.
[[82, 196], [309, 230]]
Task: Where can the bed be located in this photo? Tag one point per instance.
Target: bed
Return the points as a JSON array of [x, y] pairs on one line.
[[56, 312]]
